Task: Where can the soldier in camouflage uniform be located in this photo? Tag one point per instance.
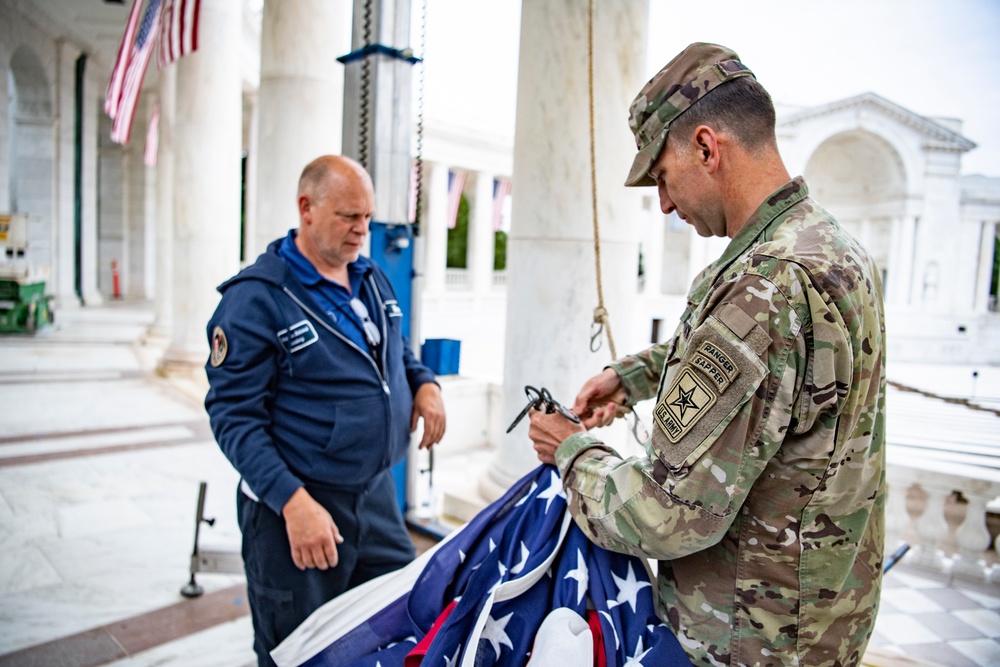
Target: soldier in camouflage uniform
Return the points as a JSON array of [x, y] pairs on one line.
[[762, 492]]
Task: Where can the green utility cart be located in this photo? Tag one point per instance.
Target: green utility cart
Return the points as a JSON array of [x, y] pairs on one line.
[[24, 306]]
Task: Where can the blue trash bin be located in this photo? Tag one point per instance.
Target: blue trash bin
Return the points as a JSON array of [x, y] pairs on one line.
[[441, 355]]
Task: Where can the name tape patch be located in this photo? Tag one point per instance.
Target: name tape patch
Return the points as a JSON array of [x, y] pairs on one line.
[[688, 400], [299, 335]]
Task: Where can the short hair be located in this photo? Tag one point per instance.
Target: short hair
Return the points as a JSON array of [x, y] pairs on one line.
[[740, 107], [315, 179]]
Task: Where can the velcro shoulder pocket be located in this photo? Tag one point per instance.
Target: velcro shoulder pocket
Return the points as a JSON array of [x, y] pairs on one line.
[[719, 371]]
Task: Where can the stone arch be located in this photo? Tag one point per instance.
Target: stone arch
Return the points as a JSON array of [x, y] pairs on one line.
[[861, 178], [31, 155]]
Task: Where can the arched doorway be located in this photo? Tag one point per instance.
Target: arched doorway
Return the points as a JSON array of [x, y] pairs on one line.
[[859, 177], [30, 128]]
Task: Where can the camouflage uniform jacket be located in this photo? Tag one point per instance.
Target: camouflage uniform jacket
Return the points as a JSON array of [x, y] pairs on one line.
[[762, 492]]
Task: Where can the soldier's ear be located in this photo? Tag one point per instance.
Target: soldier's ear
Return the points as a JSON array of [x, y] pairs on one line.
[[706, 146]]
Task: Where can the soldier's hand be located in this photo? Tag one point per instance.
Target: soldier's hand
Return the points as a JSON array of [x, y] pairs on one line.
[[311, 532], [600, 399], [547, 431], [428, 404]]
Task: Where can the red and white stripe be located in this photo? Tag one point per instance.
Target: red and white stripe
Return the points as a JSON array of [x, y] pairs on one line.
[[501, 190], [456, 184], [113, 96], [178, 30], [121, 125]]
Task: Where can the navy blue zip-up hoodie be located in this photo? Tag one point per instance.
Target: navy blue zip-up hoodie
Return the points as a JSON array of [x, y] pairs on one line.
[[294, 402]]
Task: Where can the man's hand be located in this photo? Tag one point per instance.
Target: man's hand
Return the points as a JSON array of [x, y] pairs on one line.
[[311, 531], [548, 431], [599, 399], [428, 404]]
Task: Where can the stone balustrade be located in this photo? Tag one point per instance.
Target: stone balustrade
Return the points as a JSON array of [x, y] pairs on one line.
[[948, 513]]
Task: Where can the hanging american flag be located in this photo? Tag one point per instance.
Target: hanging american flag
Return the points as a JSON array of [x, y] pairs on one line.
[[501, 190], [152, 137], [456, 184], [135, 71], [113, 95], [178, 30], [516, 586]]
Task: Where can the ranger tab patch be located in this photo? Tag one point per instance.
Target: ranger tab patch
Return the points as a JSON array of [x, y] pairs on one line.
[[688, 400], [716, 365]]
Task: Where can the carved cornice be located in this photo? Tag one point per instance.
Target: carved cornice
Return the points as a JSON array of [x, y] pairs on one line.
[[936, 135]]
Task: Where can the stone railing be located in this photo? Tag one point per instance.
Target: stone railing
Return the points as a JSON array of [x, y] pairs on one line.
[[946, 513], [459, 278]]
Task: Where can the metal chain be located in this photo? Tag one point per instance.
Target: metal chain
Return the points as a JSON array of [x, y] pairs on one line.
[[419, 162], [366, 75]]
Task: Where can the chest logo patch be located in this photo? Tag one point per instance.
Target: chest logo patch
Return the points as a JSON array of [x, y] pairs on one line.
[[688, 400], [220, 346], [299, 335]]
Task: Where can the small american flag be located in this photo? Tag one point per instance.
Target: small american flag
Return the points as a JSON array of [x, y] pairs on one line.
[[456, 184], [501, 190], [135, 71], [152, 137], [113, 96], [178, 30]]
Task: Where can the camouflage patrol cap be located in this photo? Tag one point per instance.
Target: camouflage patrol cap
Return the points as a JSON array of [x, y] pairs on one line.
[[691, 75]]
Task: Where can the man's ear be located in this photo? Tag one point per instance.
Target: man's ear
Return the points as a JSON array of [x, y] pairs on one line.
[[304, 206], [706, 145]]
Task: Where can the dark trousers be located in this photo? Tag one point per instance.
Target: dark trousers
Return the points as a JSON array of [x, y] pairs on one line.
[[281, 595]]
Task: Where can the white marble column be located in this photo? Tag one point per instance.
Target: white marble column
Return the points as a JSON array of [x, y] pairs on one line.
[[654, 226], [207, 160], [551, 285], [984, 275], [136, 225], [904, 281], [434, 226], [95, 83], [62, 281], [300, 103], [480, 242], [164, 304], [251, 102]]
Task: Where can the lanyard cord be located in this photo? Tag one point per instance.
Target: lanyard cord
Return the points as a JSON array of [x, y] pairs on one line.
[[602, 323]]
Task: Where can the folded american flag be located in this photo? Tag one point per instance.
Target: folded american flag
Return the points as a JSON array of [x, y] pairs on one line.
[[517, 585]]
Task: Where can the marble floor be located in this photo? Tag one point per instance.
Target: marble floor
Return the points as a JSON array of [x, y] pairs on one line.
[[100, 465]]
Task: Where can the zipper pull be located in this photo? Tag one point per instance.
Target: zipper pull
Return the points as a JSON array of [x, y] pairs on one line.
[[385, 387]]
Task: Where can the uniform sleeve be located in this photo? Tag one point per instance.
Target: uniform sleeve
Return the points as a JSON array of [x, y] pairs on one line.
[[416, 373], [726, 402], [242, 381], [640, 373]]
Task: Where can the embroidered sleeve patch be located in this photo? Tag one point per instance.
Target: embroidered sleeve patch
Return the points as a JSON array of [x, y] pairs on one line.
[[688, 400], [716, 365], [220, 346]]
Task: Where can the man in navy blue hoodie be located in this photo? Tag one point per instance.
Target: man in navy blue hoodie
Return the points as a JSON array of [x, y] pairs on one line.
[[314, 392]]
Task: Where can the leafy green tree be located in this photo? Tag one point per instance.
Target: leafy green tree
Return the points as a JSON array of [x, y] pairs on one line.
[[458, 238], [500, 251]]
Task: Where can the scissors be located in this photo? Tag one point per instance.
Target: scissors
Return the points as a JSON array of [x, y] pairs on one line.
[[541, 399]]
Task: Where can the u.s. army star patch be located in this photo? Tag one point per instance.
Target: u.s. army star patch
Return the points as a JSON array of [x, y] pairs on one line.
[[688, 400]]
